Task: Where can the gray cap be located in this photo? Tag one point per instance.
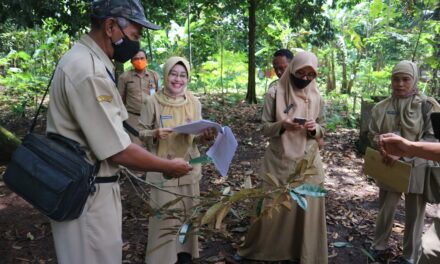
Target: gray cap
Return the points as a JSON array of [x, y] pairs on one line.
[[129, 9]]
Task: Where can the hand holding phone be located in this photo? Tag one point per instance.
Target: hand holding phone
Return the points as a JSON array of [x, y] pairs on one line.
[[299, 120]]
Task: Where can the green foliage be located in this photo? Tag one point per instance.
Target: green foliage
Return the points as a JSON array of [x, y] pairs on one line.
[[224, 71], [341, 110], [366, 37], [26, 73]]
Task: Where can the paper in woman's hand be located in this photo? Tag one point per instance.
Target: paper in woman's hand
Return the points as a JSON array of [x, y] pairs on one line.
[[223, 150], [197, 127]]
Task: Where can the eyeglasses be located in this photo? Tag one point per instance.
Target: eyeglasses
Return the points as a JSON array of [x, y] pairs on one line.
[[310, 76], [175, 75]]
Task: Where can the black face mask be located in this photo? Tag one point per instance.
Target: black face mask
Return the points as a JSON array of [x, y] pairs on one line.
[[299, 83], [125, 48]]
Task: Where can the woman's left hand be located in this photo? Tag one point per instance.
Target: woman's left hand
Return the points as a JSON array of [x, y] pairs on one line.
[[310, 125]]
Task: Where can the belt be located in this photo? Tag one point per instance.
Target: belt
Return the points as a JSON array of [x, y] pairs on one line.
[[134, 113], [106, 179]]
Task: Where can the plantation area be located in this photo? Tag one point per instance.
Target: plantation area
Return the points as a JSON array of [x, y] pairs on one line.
[[230, 46], [351, 202]]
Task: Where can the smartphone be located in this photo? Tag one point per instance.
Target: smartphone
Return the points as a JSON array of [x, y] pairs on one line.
[[299, 120], [435, 121]]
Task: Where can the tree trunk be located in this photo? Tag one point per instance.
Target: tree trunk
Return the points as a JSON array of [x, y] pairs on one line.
[[354, 73], [331, 75], [189, 34], [151, 58], [251, 96], [344, 85], [8, 143]]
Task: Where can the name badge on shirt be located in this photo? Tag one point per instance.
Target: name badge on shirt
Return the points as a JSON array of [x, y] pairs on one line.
[[152, 91], [391, 112], [164, 117]]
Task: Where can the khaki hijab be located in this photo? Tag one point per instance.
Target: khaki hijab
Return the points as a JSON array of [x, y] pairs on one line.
[[410, 68], [409, 116], [306, 104]]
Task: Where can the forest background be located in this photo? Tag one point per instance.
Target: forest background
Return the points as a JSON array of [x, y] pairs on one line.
[[230, 45]]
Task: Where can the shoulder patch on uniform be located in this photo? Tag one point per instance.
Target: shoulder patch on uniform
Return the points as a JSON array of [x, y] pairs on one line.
[[104, 98]]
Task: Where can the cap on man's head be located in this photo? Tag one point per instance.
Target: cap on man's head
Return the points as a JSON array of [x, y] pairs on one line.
[[129, 9]]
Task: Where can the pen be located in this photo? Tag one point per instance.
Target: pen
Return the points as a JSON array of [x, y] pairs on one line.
[[288, 108], [161, 122]]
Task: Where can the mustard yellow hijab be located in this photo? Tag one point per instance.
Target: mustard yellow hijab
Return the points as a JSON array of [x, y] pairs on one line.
[[176, 111], [169, 64]]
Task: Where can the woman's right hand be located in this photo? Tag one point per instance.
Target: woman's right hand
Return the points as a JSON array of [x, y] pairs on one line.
[[289, 125], [162, 133]]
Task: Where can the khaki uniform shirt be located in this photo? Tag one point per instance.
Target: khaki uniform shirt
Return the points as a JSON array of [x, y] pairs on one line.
[[85, 105], [385, 119], [135, 88], [150, 120]]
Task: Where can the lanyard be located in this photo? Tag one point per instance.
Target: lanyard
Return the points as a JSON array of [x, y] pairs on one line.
[[111, 75]]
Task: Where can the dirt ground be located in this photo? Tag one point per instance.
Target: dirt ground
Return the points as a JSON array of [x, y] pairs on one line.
[[351, 202]]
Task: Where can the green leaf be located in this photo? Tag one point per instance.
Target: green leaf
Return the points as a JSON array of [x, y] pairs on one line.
[[367, 254], [201, 159], [310, 190], [342, 245], [226, 190], [273, 180], [259, 207], [171, 203], [221, 215], [183, 232], [302, 202], [209, 216], [245, 193]]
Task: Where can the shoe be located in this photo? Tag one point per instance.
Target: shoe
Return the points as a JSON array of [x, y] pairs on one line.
[[237, 257], [378, 254], [402, 260]]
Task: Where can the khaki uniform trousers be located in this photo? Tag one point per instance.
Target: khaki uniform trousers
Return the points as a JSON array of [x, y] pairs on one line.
[[133, 120], [431, 243], [96, 236], [414, 220]]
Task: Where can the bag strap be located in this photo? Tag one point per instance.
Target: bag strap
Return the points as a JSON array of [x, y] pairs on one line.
[[34, 121]]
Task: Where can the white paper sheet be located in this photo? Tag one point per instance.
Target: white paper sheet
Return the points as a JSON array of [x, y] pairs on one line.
[[197, 127], [223, 150]]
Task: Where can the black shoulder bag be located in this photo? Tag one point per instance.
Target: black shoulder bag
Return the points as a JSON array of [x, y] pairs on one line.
[[51, 172]]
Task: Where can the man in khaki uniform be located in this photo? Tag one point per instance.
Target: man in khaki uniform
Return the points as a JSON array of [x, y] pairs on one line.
[[86, 107], [280, 62], [391, 144], [134, 86]]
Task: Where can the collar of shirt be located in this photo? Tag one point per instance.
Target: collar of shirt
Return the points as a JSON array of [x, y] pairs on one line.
[[146, 73], [87, 41]]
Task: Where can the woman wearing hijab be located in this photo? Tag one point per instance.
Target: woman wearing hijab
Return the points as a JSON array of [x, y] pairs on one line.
[[172, 106], [292, 234], [406, 113]]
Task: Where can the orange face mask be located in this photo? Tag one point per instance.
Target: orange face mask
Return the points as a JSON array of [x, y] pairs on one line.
[[140, 65]]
